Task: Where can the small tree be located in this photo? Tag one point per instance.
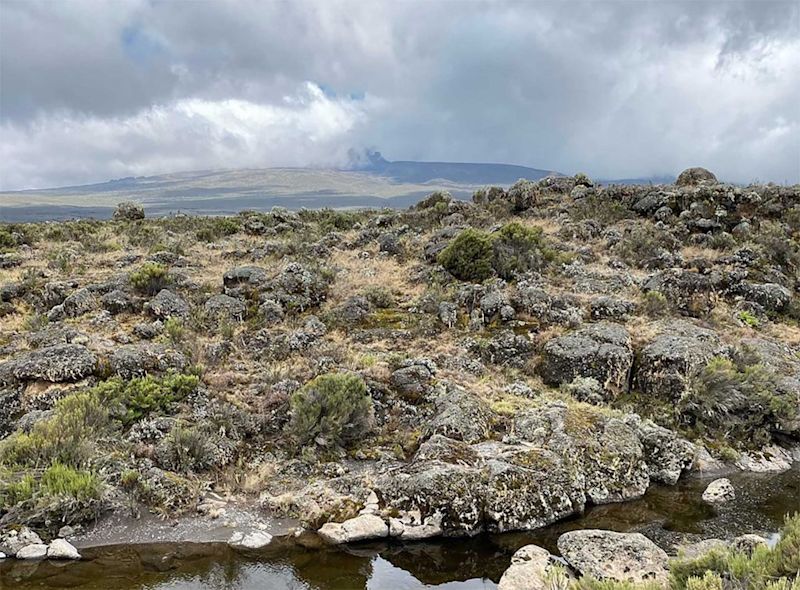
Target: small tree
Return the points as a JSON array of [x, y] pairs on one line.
[[331, 410]]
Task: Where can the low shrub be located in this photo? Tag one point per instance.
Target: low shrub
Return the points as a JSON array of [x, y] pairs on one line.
[[133, 400], [518, 249], [647, 246], [217, 227], [331, 410], [741, 402], [654, 304], [185, 449], [380, 297], [469, 256], [150, 278]]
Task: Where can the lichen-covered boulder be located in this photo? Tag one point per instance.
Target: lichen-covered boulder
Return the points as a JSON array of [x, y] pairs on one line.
[[128, 211], [118, 301], [135, 360], [360, 528], [606, 555], [64, 362], [80, 302], [694, 176], [667, 455], [719, 491], [601, 350], [770, 296], [167, 304], [413, 379], [528, 570], [223, 308], [667, 363], [690, 292], [460, 415]]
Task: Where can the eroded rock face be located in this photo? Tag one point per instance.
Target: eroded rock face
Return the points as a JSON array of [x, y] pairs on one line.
[[606, 555], [601, 350], [65, 362]]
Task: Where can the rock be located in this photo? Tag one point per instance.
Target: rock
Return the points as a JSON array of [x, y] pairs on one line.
[[62, 549], [606, 307], [33, 551], [2, 555], [14, 541], [354, 309], [410, 526], [128, 211], [666, 365], [701, 548], [360, 528], [80, 302], [770, 459], [770, 296], [692, 293], [134, 360], [693, 176], [251, 540], [667, 455], [719, 491], [297, 287], [118, 301], [390, 244], [412, 380], [460, 415], [66, 531], [601, 350], [223, 308], [243, 278], [748, 543], [65, 362], [527, 571], [507, 349], [448, 313], [167, 304], [606, 555]]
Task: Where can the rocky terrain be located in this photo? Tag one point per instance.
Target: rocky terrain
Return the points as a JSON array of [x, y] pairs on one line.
[[453, 368]]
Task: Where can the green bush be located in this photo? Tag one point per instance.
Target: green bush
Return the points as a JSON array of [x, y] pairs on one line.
[[654, 304], [7, 240], [330, 410], [740, 402], [644, 246], [217, 227], [133, 400], [174, 330], [66, 437], [518, 248], [61, 480], [150, 278], [469, 256], [380, 297]]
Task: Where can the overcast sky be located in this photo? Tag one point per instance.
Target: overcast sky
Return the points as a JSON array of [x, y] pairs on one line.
[[97, 90]]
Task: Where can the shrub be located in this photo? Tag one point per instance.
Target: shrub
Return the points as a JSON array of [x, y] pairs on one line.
[[469, 256], [217, 227], [185, 449], [647, 246], [135, 399], [380, 297], [740, 402], [330, 410], [61, 480], [655, 304], [517, 249], [748, 318], [174, 330], [7, 240], [150, 278]]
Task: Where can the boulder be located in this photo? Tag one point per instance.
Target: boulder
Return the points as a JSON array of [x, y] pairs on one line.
[[128, 211], [62, 549], [413, 379], [692, 293], [666, 364], [667, 455], [606, 555], [770, 296], [601, 350], [748, 543], [410, 526], [118, 301], [80, 302], [460, 415], [135, 360], [694, 176], [167, 304], [719, 491], [251, 540], [360, 528], [33, 551], [223, 308], [64, 362], [13, 541], [528, 570]]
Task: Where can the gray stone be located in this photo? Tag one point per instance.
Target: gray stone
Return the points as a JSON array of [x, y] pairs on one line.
[[528, 570], [167, 304], [251, 540], [62, 549], [225, 308], [80, 302], [134, 360], [606, 555], [719, 491], [694, 176], [33, 551], [65, 362], [601, 350], [360, 528]]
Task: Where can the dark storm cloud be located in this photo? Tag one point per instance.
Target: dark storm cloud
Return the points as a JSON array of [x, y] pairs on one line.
[[91, 90]]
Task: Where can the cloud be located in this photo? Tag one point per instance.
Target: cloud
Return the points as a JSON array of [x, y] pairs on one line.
[[614, 88], [307, 128]]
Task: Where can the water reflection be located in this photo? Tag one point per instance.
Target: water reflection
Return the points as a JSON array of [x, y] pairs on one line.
[[668, 515]]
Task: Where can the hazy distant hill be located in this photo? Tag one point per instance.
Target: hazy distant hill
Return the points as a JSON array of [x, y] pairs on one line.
[[375, 183]]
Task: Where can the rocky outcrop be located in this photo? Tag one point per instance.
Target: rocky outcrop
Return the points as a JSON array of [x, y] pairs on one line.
[[460, 415], [128, 211], [601, 350], [694, 176], [606, 555], [135, 360]]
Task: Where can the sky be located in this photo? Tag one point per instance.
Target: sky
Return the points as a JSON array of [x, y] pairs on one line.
[[93, 90]]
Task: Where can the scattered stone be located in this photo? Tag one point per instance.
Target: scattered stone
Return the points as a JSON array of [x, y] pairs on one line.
[[225, 308], [606, 555]]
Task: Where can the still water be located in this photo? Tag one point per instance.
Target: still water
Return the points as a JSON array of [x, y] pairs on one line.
[[668, 515]]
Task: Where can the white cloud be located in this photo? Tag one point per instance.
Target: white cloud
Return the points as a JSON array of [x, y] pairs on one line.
[[307, 128]]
